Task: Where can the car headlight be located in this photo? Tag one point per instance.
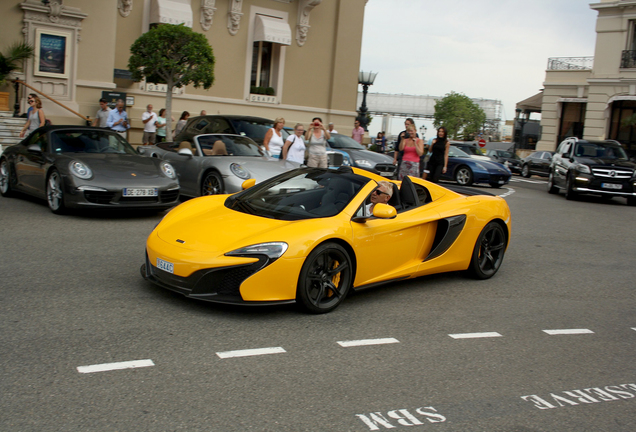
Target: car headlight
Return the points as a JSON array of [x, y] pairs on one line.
[[364, 162], [80, 170], [481, 167], [583, 169], [168, 170], [239, 171], [273, 250]]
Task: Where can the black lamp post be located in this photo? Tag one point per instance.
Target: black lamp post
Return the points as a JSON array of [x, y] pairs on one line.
[[366, 79]]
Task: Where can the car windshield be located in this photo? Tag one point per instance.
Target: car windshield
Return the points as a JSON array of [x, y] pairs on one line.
[[600, 150], [508, 155], [455, 152], [228, 145], [89, 141], [305, 193], [344, 142], [255, 129]]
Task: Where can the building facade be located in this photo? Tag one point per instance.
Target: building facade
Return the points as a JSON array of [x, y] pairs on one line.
[[274, 58], [595, 98]]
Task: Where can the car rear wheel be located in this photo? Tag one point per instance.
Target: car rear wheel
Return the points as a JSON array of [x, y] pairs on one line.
[[552, 189], [325, 279], [489, 251], [5, 178], [464, 176], [570, 193], [525, 171], [212, 184], [55, 193]]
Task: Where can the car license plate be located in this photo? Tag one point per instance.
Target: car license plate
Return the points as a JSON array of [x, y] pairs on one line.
[[141, 192], [611, 186], [165, 265], [502, 181], [386, 174]]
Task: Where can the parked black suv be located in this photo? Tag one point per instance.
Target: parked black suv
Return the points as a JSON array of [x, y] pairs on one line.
[[592, 167]]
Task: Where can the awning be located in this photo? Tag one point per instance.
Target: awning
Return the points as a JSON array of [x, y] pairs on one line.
[[533, 103], [270, 29], [171, 12]]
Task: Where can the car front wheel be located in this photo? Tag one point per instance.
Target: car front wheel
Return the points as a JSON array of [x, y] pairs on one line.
[[325, 279], [5, 178], [212, 184], [525, 171], [489, 251], [552, 189], [464, 176], [55, 193], [570, 193]]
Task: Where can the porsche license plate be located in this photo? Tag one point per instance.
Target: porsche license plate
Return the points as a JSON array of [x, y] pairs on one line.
[[140, 192], [165, 265], [611, 186]]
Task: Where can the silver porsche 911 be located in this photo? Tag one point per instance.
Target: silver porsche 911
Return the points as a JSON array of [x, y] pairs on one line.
[[217, 163]]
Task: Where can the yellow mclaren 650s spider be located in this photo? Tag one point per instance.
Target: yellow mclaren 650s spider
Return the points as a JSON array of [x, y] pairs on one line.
[[311, 235]]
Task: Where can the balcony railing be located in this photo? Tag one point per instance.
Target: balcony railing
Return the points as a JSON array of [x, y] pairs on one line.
[[628, 59], [570, 63]]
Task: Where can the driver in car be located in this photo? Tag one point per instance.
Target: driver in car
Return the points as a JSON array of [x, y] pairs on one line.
[[381, 195]]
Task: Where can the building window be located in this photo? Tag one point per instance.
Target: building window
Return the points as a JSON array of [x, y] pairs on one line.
[[623, 124], [572, 120], [262, 56]]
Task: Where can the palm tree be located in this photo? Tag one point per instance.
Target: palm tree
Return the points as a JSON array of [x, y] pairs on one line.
[[12, 61]]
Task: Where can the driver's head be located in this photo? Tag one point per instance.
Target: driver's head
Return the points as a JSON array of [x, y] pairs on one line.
[[382, 194]]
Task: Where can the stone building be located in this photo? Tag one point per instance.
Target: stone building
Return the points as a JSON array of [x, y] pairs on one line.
[[304, 53]]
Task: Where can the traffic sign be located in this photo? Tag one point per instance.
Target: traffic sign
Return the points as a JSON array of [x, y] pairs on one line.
[[482, 143]]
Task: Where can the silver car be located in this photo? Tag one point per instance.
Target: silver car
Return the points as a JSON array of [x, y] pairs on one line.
[[217, 163]]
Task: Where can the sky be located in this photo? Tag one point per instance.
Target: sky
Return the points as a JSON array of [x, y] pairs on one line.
[[492, 49]]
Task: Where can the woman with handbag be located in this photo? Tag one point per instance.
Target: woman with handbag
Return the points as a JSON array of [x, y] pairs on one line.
[[294, 148]]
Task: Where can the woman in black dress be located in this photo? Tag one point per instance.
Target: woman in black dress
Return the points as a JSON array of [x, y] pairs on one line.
[[439, 156]]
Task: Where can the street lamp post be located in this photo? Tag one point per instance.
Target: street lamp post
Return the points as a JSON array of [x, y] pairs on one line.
[[366, 79]]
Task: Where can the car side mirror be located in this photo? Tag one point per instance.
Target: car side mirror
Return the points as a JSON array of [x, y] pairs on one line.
[[248, 183], [34, 148], [185, 152], [384, 211]]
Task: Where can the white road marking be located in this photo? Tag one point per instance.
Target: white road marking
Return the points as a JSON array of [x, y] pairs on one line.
[[474, 335], [250, 352], [634, 328], [505, 194], [362, 342], [115, 366], [523, 180], [568, 331]]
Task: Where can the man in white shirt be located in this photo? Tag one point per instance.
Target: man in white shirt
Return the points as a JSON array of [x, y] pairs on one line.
[[101, 118], [381, 195], [150, 128], [331, 129]]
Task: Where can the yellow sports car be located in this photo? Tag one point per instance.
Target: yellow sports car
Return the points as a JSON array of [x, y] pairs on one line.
[[310, 235]]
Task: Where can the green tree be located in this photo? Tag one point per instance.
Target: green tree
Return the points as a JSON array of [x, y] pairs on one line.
[[13, 59], [173, 55], [459, 114]]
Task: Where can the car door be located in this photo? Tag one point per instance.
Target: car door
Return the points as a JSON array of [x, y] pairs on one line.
[[186, 167], [561, 163], [30, 166], [543, 164], [393, 248]]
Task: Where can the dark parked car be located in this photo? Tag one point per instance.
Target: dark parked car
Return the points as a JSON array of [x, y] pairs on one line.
[[592, 167], [536, 163], [509, 159], [251, 127], [72, 166], [377, 163], [466, 170], [470, 149]]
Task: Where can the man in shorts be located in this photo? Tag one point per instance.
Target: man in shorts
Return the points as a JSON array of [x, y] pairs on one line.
[[150, 128]]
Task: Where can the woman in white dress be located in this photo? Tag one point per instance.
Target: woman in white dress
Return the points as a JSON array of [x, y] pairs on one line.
[[294, 149], [273, 141]]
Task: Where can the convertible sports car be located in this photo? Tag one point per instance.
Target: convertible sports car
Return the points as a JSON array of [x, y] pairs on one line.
[[217, 163], [466, 170], [72, 166], [304, 236]]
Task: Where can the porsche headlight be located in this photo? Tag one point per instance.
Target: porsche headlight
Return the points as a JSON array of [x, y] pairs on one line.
[[364, 163], [80, 170], [239, 171], [168, 170], [583, 169], [273, 250]]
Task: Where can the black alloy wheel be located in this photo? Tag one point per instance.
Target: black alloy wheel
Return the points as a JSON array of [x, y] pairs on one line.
[[464, 176], [325, 279], [212, 184], [489, 251], [552, 189], [5, 178], [570, 193], [55, 193], [525, 171]]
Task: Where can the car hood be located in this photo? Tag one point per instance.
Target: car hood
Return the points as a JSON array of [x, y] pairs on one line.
[[114, 165], [206, 225], [491, 166], [376, 158], [605, 162], [261, 167]]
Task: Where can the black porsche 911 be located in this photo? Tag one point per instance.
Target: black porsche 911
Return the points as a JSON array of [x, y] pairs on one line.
[[77, 167]]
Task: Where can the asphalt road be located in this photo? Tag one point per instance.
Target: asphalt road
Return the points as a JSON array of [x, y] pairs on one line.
[[71, 296]]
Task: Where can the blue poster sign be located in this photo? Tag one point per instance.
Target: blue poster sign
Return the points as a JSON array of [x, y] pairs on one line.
[[52, 54]]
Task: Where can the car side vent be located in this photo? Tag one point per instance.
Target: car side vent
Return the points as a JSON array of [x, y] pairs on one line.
[[448, 230]]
